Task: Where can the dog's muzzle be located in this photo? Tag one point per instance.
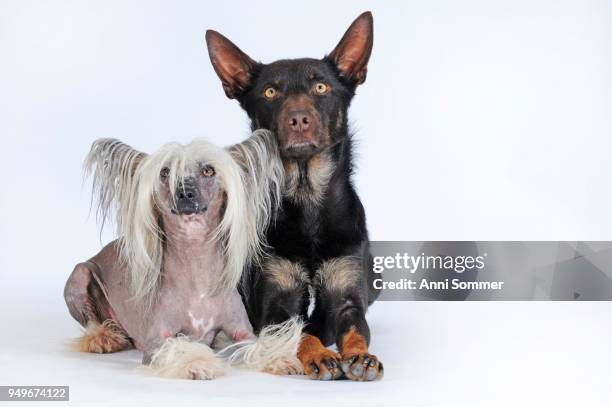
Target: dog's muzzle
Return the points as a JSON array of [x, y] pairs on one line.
[[188, 198], [299, 131]]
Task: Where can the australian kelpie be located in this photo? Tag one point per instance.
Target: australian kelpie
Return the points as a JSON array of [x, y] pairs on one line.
[[319, 265]]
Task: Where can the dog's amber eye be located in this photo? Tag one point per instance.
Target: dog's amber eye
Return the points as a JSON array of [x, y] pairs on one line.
[[269, 93], [322, 88], [165, 172], [208, 171]]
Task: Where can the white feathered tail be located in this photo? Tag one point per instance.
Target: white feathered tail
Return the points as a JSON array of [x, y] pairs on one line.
[[273, 351]]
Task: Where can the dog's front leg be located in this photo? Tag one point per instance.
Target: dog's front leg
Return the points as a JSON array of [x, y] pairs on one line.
[[285, 294], [343, 297]]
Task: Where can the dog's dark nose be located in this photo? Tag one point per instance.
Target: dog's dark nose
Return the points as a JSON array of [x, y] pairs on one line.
[[188, 199], [299, 120], [187, 193]]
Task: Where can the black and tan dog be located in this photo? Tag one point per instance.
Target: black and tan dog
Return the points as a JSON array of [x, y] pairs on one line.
[[319, 242]]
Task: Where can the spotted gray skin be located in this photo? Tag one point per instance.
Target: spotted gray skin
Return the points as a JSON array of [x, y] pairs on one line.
[[186, 302]]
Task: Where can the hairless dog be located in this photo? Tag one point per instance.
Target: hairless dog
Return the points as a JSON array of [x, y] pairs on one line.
[[190, 218]]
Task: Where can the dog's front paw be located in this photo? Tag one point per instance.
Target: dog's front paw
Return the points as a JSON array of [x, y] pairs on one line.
[[322, 365], [319, 362], [202, 370], [362, 367], [284, 366], [180, 358]]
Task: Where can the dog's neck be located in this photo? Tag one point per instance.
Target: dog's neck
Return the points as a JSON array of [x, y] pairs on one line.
[[191, 255], [307, 181]]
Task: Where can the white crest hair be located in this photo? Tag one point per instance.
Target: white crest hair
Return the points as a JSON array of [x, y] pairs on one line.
[[112, 164], [126, 182], [264, 180]]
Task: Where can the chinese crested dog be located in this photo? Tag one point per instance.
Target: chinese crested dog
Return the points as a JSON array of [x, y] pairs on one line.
[[190, 218]]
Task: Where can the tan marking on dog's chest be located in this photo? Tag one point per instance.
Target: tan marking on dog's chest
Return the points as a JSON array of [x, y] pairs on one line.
[[312, 188]]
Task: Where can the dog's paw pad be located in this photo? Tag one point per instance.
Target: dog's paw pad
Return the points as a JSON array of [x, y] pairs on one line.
[[323, 366], [362, 367]]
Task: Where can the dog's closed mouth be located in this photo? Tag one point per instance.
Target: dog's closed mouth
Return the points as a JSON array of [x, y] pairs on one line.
[[300, 145], [196, 211], [300, 150]]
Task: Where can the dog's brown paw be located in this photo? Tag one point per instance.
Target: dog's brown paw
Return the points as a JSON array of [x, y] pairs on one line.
[[362, 367], [319, 362], [323, 366]]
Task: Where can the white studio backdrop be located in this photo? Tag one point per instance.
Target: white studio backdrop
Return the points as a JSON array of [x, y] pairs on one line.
[[479, 120]]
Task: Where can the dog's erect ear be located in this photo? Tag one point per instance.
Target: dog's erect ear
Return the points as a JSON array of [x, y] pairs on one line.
[[352, 53], [231, 64]]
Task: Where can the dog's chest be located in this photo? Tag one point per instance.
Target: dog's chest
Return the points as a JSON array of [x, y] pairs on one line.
[[196, 310], [306, 182], [320, 217], [204, 317], [306, 189]]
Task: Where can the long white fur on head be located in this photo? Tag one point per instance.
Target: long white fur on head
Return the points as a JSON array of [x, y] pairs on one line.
[[236, 230], [111, 164], [142, 236], [142, 242], [264, 179]]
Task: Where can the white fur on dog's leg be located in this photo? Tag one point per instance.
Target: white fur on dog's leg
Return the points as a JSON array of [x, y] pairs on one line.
[[184, 359], [274, 351]]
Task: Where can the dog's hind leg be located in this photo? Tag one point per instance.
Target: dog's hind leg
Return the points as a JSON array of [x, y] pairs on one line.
[[87, 304], [106, 337]]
